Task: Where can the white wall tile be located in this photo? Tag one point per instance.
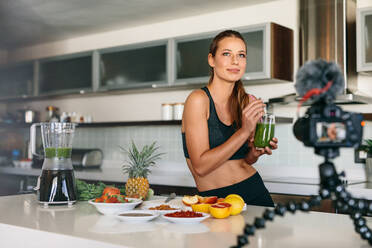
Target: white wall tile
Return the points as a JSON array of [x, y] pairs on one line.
[[291, 152]]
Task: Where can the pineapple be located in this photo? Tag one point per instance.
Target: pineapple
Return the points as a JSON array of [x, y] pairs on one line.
[[138, 168]]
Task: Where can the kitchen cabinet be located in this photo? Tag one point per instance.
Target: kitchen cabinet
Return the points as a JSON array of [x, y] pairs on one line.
[[364, 40], [191, 63], [16, 184], [174, 62], [269, 55], [133, 66], [325, 206], [67, 74], [16, 80]]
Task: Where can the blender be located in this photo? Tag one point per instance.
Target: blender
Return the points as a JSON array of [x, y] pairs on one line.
[[56, 184]]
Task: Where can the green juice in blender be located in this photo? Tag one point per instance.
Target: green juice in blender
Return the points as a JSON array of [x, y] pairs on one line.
[[59, 152], [264, 133]]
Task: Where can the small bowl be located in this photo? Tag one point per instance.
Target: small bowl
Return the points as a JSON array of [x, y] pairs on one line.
[[115, 208], [22, 163], [152, 215], [147, 207], [185, 220]]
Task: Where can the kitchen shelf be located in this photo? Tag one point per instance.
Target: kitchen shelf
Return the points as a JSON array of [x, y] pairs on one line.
[[279, 120], [14, 125], [130, 123], [104, 124]]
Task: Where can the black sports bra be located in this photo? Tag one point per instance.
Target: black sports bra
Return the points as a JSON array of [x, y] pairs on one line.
[[218, 132]]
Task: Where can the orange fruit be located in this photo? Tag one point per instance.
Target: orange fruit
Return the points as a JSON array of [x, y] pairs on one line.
[[236, 196], [236, 205], [201, 207], [220, 210]]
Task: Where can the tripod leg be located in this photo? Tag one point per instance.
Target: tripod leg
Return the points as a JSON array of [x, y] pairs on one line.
[[269, 215], [355, 208]]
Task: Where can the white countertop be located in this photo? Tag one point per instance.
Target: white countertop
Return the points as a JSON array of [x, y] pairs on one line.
[[24, 223]]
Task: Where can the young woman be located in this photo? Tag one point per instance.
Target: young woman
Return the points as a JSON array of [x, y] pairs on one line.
[[218, 127]]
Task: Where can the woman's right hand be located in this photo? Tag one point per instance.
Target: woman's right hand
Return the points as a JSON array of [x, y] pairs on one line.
[[251, 114]]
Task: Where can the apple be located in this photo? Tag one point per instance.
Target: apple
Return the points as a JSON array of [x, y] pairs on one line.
[[220, 210], [210, 199], [200, 198], [189, 200]]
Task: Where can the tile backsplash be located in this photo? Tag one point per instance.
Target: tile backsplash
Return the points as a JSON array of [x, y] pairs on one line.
[[291, 152], [110, 139]]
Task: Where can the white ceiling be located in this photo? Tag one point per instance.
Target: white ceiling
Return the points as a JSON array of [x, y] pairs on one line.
[[27, 22]]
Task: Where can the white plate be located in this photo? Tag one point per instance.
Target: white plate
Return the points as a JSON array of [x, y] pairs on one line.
[[137, 218], [115, 208], [180, 220]]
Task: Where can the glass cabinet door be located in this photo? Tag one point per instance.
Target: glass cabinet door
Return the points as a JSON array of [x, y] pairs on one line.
[[192, 59], [255, 51], [133, 67], [16, 80], [364, 40], [66, 75], [368, 38], [192, 56]]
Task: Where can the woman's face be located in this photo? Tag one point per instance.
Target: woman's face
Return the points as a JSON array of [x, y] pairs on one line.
[[230, 60]]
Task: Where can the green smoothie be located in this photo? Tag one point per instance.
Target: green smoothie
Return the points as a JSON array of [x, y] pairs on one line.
[[60, 152], [264, 133]]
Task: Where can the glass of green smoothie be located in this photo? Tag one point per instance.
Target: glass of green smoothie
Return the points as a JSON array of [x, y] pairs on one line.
[[264, 131]]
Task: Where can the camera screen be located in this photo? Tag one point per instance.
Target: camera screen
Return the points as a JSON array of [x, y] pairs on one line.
[[334, 132]]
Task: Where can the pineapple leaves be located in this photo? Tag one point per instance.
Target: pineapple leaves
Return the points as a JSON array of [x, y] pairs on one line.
[[138, 162]]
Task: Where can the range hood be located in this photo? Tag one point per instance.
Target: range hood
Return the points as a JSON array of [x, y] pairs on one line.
[[327, 30]]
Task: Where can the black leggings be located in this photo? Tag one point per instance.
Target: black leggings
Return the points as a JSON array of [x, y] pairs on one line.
[[251, 189]]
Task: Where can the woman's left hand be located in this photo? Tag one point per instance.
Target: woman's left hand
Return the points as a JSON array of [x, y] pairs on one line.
[[255, 153]]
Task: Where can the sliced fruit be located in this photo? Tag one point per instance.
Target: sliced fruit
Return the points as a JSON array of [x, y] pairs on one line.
[[220, 210], [210, 199], [201, 207], [236, 196], [236, 205], [220, 199], [201, 199], [189, 200]]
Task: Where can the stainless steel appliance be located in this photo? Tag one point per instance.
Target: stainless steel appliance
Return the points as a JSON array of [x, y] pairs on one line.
[[87, 158], [328, 31]]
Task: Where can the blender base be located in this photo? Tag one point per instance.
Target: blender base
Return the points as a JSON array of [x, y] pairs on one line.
[[46, 204]]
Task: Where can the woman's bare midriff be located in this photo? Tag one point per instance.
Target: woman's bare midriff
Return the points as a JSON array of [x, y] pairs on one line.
[[231, 172]]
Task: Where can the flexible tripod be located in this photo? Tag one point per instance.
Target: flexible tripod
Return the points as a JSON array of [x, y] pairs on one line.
[[330, 187]]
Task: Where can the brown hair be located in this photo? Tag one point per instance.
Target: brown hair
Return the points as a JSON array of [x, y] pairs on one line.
[[238, 98]]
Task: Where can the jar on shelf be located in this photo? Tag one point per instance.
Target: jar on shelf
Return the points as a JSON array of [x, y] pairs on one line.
[[166, 111], [178, 110], [53, 115]]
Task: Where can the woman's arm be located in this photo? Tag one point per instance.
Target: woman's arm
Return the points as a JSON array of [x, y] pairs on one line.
[[205, 160], [254, 154]]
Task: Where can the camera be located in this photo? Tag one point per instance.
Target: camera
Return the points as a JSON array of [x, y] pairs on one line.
[[325, 126], [329, 126]]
